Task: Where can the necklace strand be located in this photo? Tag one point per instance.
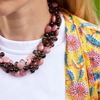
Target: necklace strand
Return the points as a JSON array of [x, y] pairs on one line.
[[44, 47]]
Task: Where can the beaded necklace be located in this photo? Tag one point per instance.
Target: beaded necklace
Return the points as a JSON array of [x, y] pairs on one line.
[[44, 47]]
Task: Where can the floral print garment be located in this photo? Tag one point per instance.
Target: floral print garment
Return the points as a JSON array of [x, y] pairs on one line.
[[82, 59]]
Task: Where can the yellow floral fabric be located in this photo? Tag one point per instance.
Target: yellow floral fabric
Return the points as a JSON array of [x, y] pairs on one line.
[[82, 59]]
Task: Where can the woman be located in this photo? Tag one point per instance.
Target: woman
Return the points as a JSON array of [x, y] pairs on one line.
[[74, 58]]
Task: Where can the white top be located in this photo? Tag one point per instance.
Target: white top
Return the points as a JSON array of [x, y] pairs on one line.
[[47, 83]]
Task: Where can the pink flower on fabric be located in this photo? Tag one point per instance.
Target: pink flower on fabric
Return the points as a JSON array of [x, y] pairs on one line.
[[78, 91], [73, 42], [90, 75], [94, 59]]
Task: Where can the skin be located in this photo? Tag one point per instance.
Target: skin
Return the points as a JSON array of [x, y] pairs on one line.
[[23, 20]]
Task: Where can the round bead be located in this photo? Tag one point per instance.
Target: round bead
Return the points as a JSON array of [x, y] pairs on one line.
[[17, 74], [47, 49], [54, 28], [40, 47], [20, 65], [32, 70], [54, 18], [48, 29], [23, 72], [40, 62], [54, 4], [6, 59]]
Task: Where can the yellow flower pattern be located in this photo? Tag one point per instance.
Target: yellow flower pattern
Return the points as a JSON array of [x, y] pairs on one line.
[[82, 59]]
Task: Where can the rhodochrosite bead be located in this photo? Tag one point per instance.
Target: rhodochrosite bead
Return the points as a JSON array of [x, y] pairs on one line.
[[28, 62], [54, 18], [40, 62], [17, 73], [48, 29], [6, 59], [29, 57], [40, 46], [1, 60], [47, 49], [20, 65], [23, 73], [57, 32], [54, 4], [54, 28]]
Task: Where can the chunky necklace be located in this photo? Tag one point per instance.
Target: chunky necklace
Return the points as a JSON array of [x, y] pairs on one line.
[[36, 59]]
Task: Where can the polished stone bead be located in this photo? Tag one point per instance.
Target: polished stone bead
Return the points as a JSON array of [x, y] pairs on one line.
[[55, 38], [28, 62], [20, 65], [54, 19], [36, 67], [52, 33], [54, 4], [46, 34], [25, 68], [29, 57], [1, 61], [40, 47], [54, 28], [23, 72], [2, 54], [22, 61], [48, 29], [51, 24], [6, 59], [17, 74], [16, 69], [32, 70], [40, 62], [57, 32], [47, 49], [30, 67]]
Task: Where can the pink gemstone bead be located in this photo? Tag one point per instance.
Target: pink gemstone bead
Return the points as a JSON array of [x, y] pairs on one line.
[[40, 46], [54, 28], [40, 62], [28, 62], [3, 69], [23, 73], [17, 73], [29, 57], [48, 29], [12, 73], [20, 65], [54, 19], [6, 59], [59, 13], [1, 60], [54, 4], [11, 61], [47, 49], [57, 32], [35, 63]]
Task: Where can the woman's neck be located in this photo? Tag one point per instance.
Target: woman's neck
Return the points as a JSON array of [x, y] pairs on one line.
[[27, 23]]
